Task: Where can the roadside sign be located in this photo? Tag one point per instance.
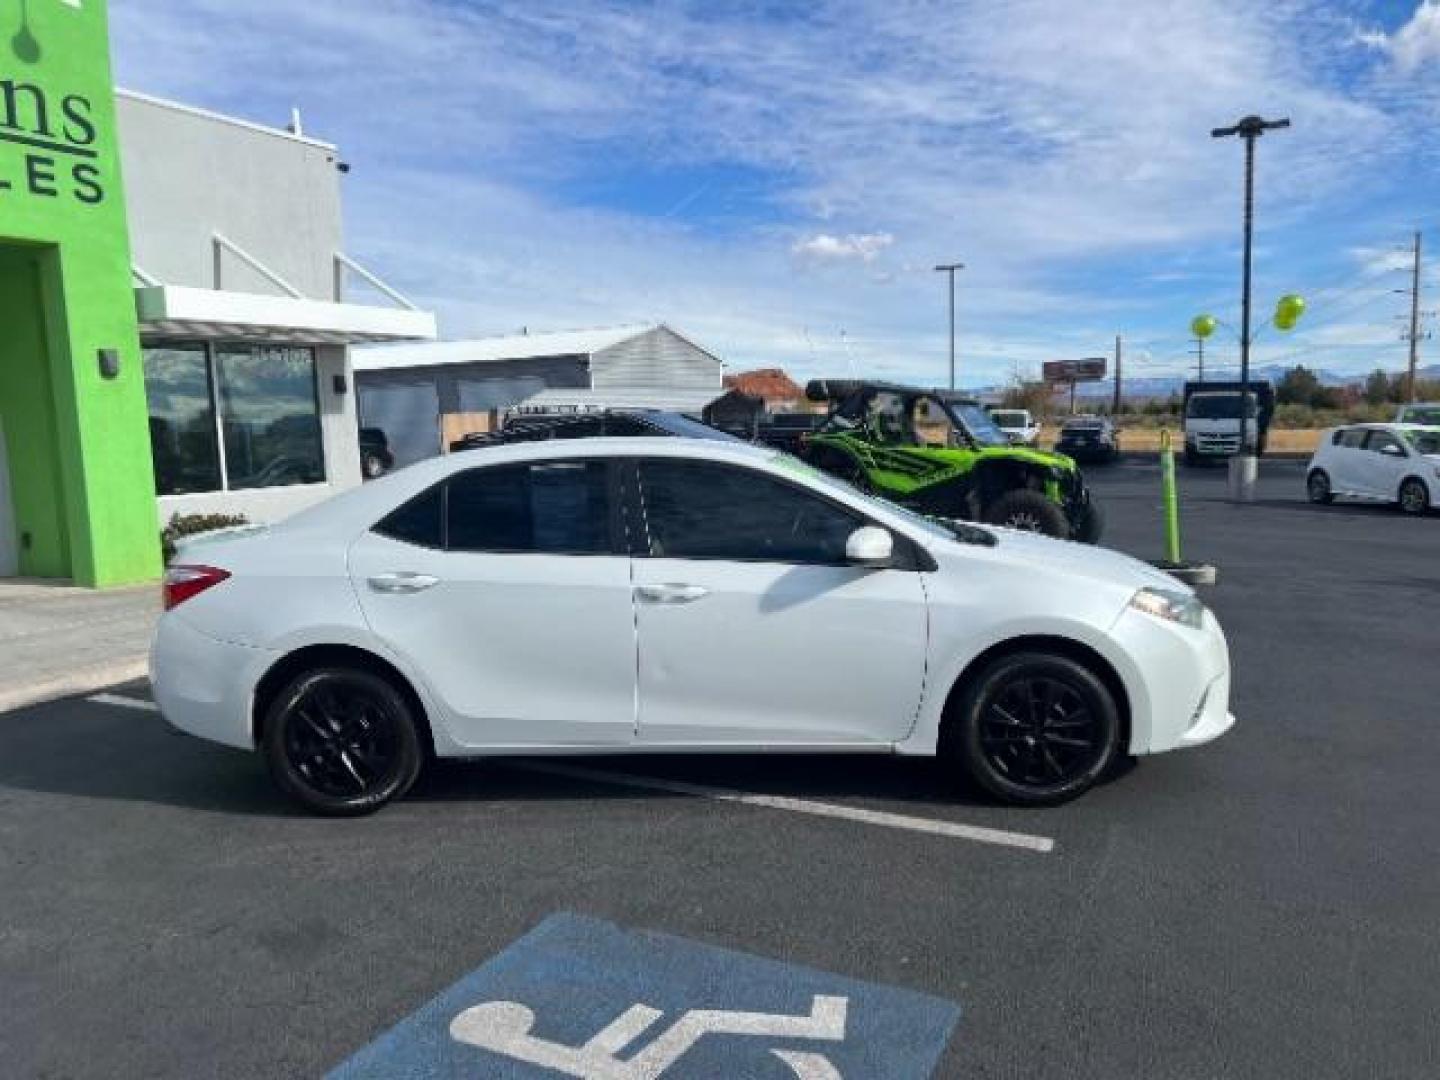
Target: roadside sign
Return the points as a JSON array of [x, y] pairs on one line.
[[1091, 369], [584, 998]]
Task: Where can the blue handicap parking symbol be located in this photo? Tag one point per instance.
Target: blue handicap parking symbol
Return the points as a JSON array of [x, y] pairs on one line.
[[585, 998]]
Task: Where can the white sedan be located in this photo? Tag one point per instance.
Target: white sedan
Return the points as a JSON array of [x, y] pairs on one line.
[[659, 595], [1394, 463]]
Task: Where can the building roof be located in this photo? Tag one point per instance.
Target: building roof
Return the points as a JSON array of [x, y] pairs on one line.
[[771, 384], [494, 349]]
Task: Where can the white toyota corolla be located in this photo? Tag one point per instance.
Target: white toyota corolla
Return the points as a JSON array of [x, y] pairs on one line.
[[643, 595]]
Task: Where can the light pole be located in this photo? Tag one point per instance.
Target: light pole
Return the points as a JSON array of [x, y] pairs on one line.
[[1243, 467], [950, 268]]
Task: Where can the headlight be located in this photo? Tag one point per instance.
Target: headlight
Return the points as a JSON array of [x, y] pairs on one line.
[[1170, 604]]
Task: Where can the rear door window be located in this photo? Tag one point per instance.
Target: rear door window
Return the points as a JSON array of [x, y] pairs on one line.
[[551, 508], [1353, 438]]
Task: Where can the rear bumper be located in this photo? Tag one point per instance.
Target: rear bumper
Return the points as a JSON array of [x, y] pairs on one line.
[[204, 686]]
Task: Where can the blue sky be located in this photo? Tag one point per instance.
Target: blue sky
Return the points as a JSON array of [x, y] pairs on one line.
[[778, 179]]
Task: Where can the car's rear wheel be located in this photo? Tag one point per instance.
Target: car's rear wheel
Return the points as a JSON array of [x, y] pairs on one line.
[[373, 465], [341, 741], [1035, 729], [1028, 510], [1317, 486], [1414, 496]]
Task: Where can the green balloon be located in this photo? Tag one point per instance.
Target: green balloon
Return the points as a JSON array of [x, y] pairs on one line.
[[1284, 322], [1290, 308], [1202, 326]]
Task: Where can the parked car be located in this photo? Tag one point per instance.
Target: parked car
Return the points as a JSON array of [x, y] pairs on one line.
[[1419, 412], [1019, 426], [1395, 463], [1088, 438], [375, 456], [539, 427], [941, 454], [789, 431], [637, 595]]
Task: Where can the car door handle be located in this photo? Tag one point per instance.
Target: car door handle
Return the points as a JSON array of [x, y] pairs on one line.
[[402, 581], [671, 593]]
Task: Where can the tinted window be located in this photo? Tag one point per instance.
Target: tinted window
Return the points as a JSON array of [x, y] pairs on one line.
[[182, 420], [418, 521], [1379, 440], [698, 510], [557, 507], [270, 416], [1353, 438]]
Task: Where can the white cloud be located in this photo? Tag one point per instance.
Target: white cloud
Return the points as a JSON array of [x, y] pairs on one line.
[[1415, 43], [826, 248]]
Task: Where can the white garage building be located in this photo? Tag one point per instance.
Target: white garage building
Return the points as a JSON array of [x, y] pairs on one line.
[[423, 396]]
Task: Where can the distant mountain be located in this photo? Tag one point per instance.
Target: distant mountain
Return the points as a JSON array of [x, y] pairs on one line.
[[1164, 386]]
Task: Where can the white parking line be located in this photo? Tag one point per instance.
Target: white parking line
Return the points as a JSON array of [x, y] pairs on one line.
[[952, 829], [955, 830], [123, 702]]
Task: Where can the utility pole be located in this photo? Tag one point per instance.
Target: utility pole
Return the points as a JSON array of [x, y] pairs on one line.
[[1199, 352], [1115, 406], [1414, 322], [950, 268], [1244, 467]]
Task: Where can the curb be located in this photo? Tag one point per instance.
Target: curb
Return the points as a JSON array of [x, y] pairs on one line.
[[79, 682]]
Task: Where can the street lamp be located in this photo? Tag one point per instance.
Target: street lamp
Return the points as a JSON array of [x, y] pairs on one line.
[[950, 268], [1243, 467]]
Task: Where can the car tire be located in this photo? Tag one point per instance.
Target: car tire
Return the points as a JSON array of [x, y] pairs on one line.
[[373, 466], [341, 741], [1017, 729], [1317, 487], [1029, 510], [1414, 496], [1089, 524]]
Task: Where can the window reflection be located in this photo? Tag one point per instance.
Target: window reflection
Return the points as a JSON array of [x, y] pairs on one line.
[[182, 421], [270, 416]]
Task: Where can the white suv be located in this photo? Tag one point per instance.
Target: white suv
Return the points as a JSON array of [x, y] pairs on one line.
[[1395, 463], [1018, 425]]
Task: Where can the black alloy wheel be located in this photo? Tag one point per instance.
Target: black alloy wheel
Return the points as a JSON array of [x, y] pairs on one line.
[[1414, 496], [1036, 729], [341, 741], [1317, 487]]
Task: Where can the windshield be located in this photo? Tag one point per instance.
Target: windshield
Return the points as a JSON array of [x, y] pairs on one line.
[[943, 528], [1424, 442], [1218, 406], [683, 426], [1420, 414], [1082, 425], [979, 424], [1008, 418]]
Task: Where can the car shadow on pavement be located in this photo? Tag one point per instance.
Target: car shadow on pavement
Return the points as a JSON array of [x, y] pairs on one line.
[[94, 751]]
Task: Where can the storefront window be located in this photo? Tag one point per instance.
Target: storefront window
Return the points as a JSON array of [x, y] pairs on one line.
[[270, 416], [182, 420]]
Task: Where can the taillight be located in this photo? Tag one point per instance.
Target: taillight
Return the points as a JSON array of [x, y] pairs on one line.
[[183, 582]]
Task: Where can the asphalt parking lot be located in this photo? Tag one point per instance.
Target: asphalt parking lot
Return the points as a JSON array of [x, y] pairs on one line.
[[1265, 906]]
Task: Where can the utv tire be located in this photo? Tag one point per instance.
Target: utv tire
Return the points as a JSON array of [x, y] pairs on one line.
[[1028, 510], [341, 741], [1089, 524]]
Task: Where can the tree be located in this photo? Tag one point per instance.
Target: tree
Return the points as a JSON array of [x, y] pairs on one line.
[[1377, 387], [1030, 395], [1298, 386]]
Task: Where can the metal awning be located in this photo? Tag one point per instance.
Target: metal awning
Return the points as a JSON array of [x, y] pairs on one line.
[[178, 311]]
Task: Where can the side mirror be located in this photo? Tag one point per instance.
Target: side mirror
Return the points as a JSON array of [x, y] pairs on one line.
[[870, 545], [1391, 450]]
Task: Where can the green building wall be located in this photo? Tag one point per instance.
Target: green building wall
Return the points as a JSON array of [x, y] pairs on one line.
[[77, 441]]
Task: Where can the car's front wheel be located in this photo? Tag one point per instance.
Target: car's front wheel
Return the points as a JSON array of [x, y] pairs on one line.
[[1028, 510], [1414, 496], [1034, 729], [341, 741], [1317, 487]]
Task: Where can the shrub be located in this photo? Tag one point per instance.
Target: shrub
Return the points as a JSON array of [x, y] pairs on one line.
[[183, 525]]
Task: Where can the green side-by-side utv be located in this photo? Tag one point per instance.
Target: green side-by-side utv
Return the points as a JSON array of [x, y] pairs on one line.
[[939, 453]]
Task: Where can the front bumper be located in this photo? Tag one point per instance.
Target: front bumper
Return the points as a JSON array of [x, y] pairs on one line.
[[202, 685], [1180, 683]]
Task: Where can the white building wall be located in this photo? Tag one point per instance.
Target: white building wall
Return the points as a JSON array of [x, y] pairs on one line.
[[656, 358]]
